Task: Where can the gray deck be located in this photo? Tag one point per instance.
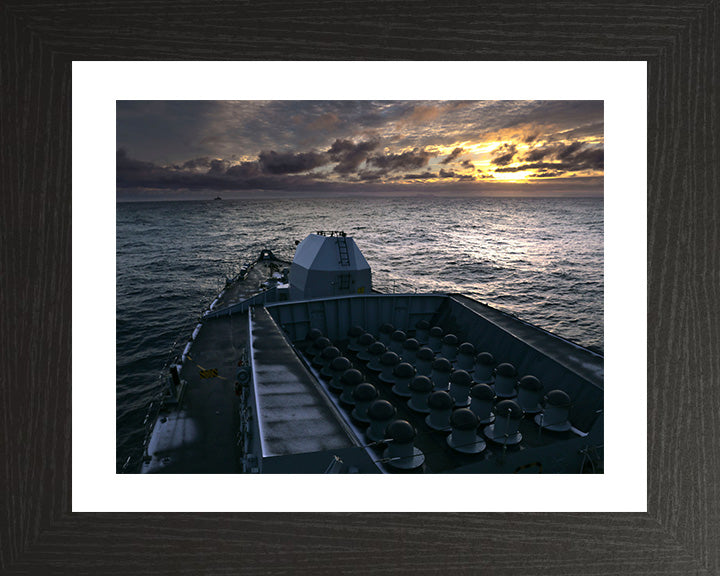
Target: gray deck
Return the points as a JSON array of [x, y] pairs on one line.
[[294, 415], [201, 436], [583, 362]]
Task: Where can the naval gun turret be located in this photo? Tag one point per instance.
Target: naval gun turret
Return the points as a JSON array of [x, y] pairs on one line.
[[328, 264]]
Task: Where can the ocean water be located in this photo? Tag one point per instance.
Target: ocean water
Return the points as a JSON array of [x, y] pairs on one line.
[[539, 258]]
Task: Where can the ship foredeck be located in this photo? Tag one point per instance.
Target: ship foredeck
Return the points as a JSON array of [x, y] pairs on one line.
[[297, 422], [558, 363]]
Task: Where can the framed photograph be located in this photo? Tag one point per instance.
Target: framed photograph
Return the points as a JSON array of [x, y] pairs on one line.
[[471, 200], [63, 494], [425, 208]]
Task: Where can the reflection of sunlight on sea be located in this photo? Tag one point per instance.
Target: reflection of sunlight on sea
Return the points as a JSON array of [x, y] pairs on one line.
[[541, 259]]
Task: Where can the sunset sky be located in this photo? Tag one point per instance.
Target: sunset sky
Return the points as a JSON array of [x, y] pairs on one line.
[[196, 149]]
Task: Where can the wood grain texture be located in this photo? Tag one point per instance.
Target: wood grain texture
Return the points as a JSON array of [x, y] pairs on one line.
[[681, 532]]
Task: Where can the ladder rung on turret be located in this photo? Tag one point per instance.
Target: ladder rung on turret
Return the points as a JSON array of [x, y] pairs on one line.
[[343, 250]]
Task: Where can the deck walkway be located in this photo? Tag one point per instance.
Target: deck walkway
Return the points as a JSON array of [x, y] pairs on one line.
[[201, 436], [295, 416]]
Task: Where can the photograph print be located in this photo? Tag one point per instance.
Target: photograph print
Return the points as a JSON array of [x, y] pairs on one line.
[[360, 287]]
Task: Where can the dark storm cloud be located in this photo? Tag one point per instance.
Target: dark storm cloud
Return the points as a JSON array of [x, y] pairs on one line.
[[196, 163], [536, 166], [538, 154], [350, 155], [407, 160], [132, 173], [451, 174], [421, 176], [592, 159], [138, 172], [573, 157], [565, 151], [467, 164], [244, 170], [454, 154], [557, 151], [369, 175], [503, 155], [583, 160], [273, 170], [129, 165], [135, 173], [218, 167], [288, 163]]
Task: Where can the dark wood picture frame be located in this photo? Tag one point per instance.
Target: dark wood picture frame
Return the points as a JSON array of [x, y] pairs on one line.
[[680, 533]]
